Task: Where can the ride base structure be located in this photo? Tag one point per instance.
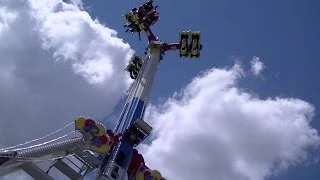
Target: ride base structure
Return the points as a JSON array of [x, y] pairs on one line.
[[112, 153]]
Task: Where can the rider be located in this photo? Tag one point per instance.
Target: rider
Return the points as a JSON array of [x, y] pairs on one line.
[[134, 66], [139, 170], [115, 137], [149, 174], [137, 162], [139, 13], [133, 27], [137, 61], [148, 6], [151, 18], [145, 9], [132, 69]]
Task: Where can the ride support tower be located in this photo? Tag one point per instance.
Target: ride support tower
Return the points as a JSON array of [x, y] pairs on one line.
[[130, 123]]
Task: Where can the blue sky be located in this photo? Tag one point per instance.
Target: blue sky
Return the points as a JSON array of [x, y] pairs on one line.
[[284, 34]]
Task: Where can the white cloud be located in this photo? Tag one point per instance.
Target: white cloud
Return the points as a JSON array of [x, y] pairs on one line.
[[257, 65], [213, 130], [56, 63], [17, 175], [316, 160]]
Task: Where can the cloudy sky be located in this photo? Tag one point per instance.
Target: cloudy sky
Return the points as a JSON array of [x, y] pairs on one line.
[[247, 109]]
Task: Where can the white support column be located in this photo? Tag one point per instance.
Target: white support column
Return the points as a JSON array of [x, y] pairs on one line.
[[34, 171], [66, 170], [50, 150]]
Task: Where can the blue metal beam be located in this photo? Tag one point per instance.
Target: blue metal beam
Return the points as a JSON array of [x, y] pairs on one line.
[[134, 108]]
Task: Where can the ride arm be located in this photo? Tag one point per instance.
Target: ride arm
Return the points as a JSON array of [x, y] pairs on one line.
[[150, 35], [171, 46]]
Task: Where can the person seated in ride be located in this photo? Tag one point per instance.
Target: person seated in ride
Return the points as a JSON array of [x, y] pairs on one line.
[[137, 61], [148, 6], [151, 18], [156, 175], [132, 16], [115, 137], [137, 163], [147, 174], [131, 68], [141, 12], [133, 27]]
